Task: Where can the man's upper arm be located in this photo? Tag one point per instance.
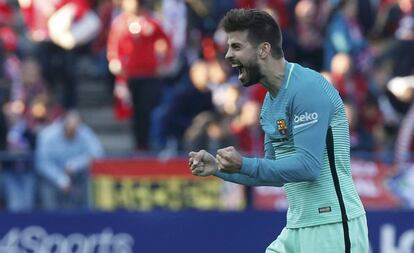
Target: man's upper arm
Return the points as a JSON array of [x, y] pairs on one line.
[[311, 117]]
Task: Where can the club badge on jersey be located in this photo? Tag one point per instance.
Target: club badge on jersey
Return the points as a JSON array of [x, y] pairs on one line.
[[282, 127]]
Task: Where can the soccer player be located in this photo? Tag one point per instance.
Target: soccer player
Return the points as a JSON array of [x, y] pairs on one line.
[[307, 146]]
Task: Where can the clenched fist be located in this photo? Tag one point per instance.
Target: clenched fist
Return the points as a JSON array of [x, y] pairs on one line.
[[202, 163], [229, 160]]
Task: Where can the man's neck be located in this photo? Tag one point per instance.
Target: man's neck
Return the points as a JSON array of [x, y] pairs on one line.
[[273, 75]]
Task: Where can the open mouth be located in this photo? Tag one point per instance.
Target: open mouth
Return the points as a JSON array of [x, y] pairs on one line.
[[242, 70]]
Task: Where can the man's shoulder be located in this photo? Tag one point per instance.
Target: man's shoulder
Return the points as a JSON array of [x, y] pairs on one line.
[[307, 80], [51, 130], [86, 131], [310, 85], [306, 73]]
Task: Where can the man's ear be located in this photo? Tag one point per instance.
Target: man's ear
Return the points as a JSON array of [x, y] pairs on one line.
[[264, 50]]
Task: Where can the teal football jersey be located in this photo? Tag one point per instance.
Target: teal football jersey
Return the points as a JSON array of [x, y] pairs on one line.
[[307, 151]]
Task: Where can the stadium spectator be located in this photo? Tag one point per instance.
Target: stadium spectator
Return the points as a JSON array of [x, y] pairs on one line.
[[182, 108], [40, 107], [63, 155], [19, 176], [309, 38], [58, 30], [344, 35], [139, 52], [346, 79]]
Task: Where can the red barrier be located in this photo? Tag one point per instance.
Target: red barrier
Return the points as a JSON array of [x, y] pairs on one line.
[[147, 184]]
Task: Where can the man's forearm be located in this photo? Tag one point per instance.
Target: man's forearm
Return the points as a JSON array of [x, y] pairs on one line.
[[245, 180]]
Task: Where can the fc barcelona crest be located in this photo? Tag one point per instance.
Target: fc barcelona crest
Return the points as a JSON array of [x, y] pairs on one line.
[[282, 127]]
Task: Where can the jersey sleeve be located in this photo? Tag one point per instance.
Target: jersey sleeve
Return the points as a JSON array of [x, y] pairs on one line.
[[310, 113], [242, 179]]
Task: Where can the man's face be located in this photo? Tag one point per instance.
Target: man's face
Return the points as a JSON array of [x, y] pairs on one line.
[[130, 6], [243, 55]]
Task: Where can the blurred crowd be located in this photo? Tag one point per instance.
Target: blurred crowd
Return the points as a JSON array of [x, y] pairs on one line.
[[165, 62]]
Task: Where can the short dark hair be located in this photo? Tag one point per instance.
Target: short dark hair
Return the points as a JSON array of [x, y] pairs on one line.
[[260, 25]]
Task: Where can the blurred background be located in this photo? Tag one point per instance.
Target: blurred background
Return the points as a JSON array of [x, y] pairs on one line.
[[101, 100]]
